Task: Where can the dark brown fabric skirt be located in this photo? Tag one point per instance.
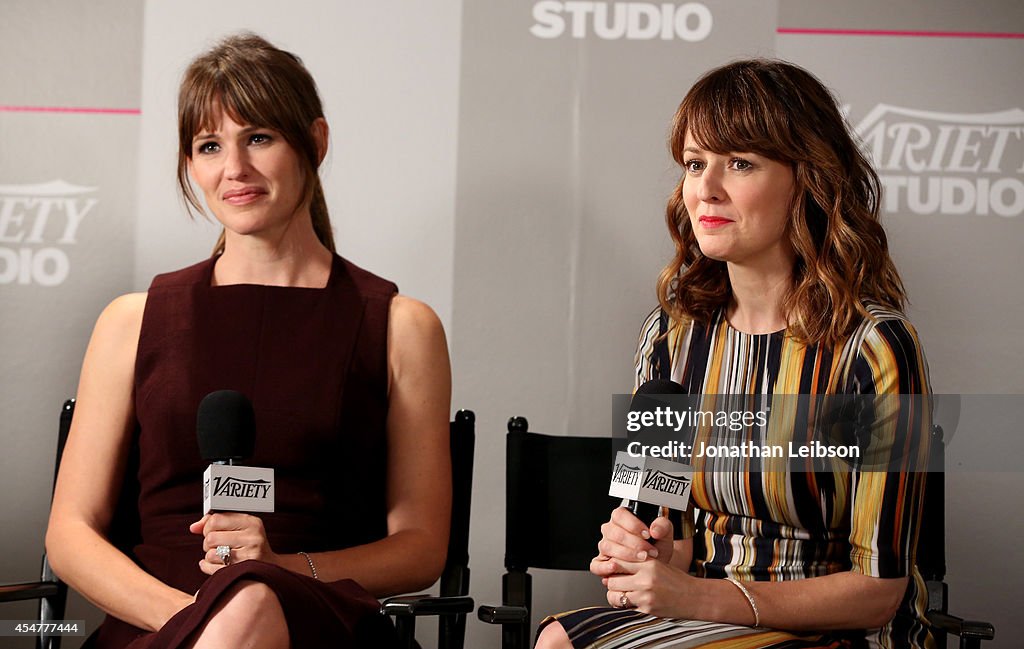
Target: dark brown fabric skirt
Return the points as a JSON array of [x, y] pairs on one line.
[[335, 615]]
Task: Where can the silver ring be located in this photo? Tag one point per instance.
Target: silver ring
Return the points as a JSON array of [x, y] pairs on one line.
[[224, 552], [624, 602]]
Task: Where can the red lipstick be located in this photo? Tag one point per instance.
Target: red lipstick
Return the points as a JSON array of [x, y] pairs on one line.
[[711, 222]]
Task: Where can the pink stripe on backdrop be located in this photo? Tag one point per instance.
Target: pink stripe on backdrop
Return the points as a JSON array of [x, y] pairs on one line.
[[70, 109], [909, 33]]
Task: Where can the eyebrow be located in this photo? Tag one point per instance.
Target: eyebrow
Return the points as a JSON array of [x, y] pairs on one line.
[[205, 135], [698, 151]]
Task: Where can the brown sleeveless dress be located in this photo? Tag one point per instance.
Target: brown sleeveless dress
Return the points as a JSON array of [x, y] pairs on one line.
[[314, 364]]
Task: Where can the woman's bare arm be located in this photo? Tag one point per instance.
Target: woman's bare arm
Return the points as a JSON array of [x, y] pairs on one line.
[[91, 475]]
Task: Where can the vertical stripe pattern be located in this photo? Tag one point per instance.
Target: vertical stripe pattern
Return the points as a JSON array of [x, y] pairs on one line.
[[773, 519]]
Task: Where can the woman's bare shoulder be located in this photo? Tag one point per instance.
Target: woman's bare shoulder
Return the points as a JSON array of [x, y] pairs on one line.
[[410, 314], [416, 341], [121, 320], [125, 309]]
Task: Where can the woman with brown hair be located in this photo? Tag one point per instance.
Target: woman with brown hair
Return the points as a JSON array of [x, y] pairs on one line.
[[781, 285], [350, 383]]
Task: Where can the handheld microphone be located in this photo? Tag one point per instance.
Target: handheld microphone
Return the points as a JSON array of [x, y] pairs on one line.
[[226, 431], [647, 483]]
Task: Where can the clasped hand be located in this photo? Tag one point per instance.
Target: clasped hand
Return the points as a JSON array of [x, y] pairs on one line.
[[243, 533], [633, 561]]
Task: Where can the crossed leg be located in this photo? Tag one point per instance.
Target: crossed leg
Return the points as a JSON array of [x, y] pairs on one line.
[[249, 616], [553, 636]]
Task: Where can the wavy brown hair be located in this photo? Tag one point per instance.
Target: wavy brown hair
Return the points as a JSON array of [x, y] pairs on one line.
[[781, 111], [254, 83]]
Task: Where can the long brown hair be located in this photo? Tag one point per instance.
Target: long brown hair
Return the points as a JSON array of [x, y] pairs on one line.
[[255, 83], [781, 111]]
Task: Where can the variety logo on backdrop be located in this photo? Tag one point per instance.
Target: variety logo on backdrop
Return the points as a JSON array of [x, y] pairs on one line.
[[37, 223], [641, 21], [947, 163]]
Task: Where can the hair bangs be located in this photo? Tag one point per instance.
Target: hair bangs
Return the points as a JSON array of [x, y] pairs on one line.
[[234, 94], [734, 113]]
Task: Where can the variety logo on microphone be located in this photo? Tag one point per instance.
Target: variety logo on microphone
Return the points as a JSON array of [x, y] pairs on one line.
[[237, 488], [231, 486], [651, 480], [666, 482], [627, 475]]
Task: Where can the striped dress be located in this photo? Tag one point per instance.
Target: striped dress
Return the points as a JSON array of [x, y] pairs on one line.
[[757, 521]]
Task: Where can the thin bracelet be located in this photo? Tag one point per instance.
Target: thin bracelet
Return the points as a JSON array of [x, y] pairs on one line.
[[750, 599], [312, 569]]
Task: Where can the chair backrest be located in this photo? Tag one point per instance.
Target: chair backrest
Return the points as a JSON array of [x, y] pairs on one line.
[[451, 630], [67, 411], [463, 441], [53, 604], [931, 540], [555, 499]]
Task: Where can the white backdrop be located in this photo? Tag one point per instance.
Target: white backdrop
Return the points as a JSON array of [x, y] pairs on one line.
[[388, 74]]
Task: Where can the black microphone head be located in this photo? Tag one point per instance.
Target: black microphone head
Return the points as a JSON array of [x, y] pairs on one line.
[[647, 397], [225, 426], [660, 386]]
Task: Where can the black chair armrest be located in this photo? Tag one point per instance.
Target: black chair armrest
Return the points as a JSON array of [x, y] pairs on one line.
[[28, 590], [965, 629], [416, 605], [503, 614]]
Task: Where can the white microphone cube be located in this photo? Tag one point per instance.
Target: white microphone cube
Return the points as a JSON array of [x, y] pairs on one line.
[[651, 480], [233, 488]]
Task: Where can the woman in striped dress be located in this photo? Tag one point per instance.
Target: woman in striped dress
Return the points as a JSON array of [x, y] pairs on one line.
[[781, 285]]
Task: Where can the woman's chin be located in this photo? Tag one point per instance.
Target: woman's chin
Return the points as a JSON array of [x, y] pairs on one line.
[[718, 253]]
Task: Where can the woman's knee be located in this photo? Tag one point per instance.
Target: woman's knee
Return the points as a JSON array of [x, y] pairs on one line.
[[553, 636], [247, 609], [250, 599]]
